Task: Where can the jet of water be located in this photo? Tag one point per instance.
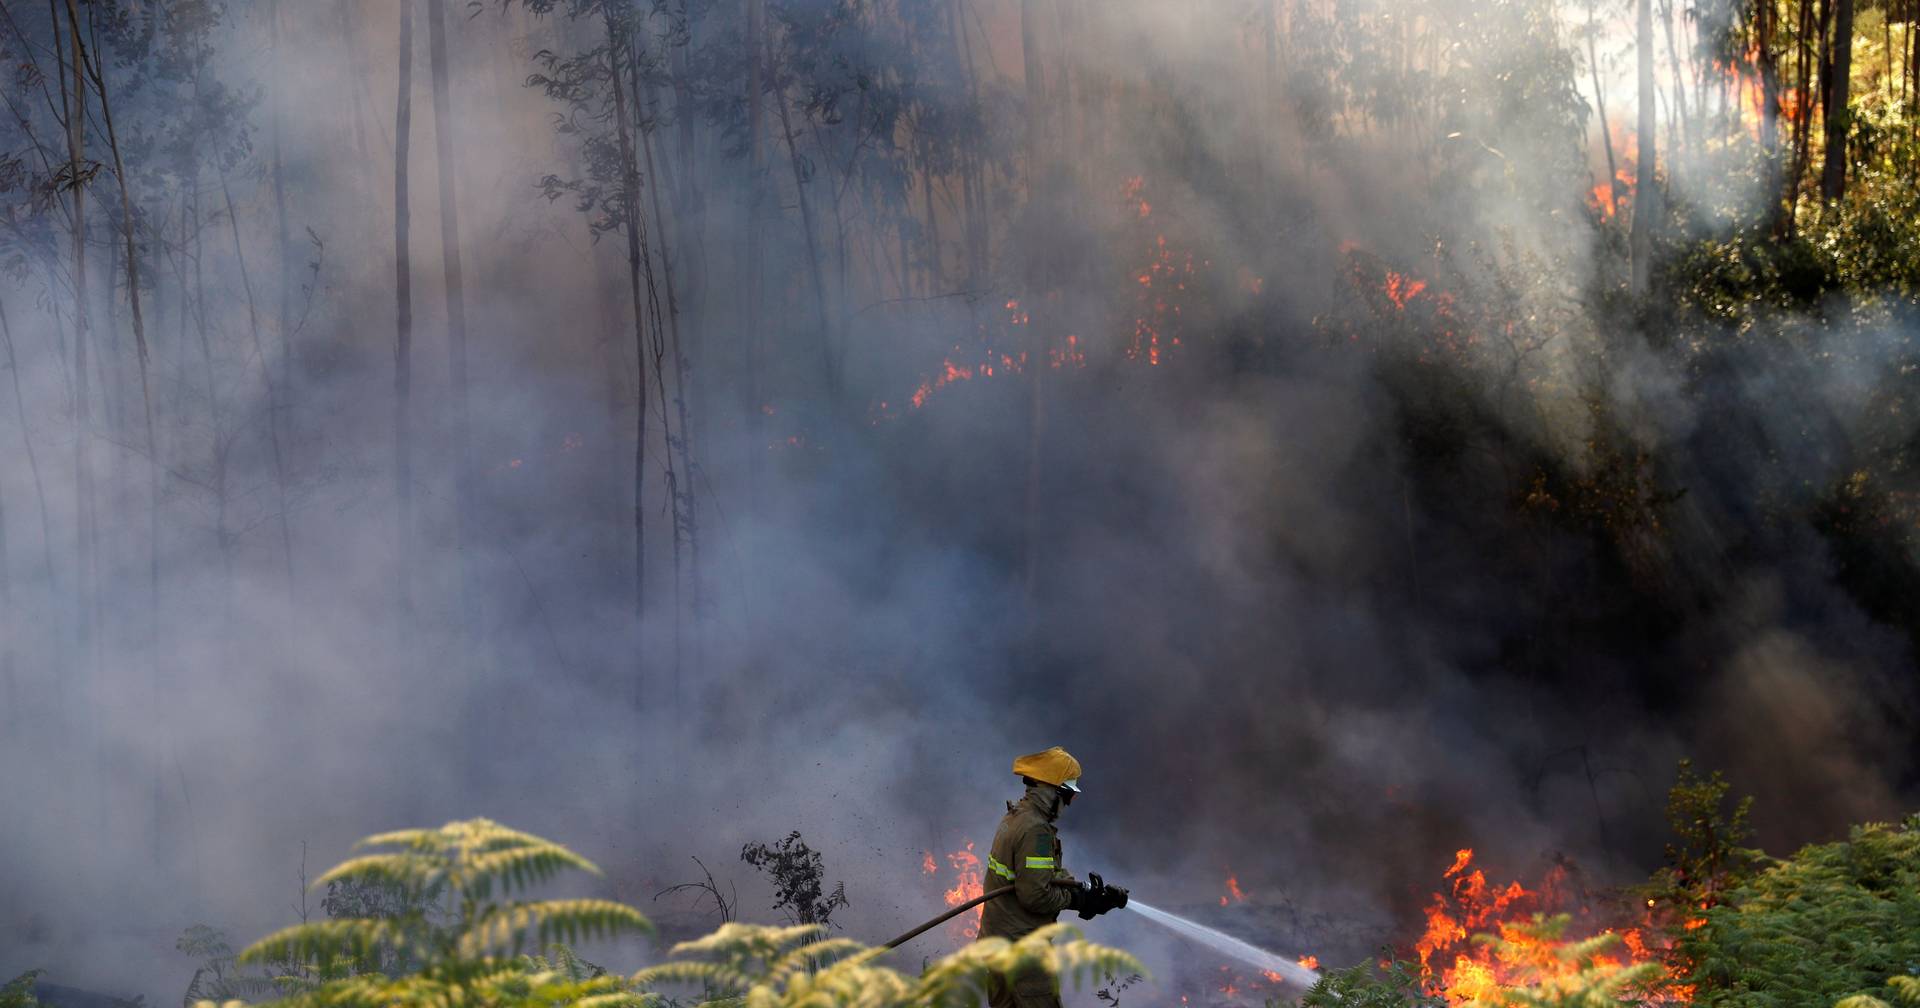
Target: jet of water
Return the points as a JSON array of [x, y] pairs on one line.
[[1227, 944]]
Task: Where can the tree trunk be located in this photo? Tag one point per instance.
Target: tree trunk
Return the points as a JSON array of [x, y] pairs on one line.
[[463, 479], [630, 193], [1766, 28], [283, 246], [1037, 321], [687, 522], [403, 315], [132, 259], [1600, 105], [1810, 54], [759, 401], [828, 372], [1640, 237], [223, 538], [26, 442], [76, 115], [1833, 176], [266, 381]]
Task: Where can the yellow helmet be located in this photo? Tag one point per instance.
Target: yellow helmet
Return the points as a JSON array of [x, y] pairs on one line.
[[1054, 766]]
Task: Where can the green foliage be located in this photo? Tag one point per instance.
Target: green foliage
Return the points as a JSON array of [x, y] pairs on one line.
[[1705, 857], [18, 992], [792, 967], [448, 920], [219, 976], [455, 924], [1389, 984], [1833, 921]]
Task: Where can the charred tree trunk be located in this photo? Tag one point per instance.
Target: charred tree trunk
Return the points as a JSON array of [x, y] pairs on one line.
[[403, 315], [1640, 237], [1833, 175]]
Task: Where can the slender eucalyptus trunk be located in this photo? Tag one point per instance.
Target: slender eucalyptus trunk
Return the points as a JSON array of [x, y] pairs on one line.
[[223, 535], [758, 400], [266, 381], [283, 246], [444, 156], [97, 70], [630, 192], [403, 316], [26, 443], [1036, 314], [1640, 237], [75, 99], [1600, 106], [687, 523], [828, 372]]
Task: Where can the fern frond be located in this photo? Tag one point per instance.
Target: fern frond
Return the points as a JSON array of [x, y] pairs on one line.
[[812, 956], [719, 976], [547, 921], [413, 839], [324, 941], [516, 868], [410, 872], [747, 941]]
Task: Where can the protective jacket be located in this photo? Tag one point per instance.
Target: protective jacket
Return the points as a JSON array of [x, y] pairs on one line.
[[1026, 852]]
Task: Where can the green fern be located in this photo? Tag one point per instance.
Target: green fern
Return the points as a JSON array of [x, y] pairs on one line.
[[797, 967], [463, 944], [455, 930]]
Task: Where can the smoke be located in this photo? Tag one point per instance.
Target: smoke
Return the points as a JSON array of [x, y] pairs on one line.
[[1288, 638]]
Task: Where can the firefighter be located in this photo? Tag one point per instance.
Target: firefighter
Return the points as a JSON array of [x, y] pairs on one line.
[[1026, 852]]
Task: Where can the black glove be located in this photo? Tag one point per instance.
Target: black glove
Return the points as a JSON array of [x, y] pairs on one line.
[[1080, 900], [1096, 898]]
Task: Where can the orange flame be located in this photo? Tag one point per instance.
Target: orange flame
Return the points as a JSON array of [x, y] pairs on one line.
[[967, 884], [1401, 289], [1461, 971]]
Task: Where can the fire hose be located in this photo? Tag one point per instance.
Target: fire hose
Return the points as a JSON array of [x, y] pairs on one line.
[[1106, 898], [949, 915], [1115, 897]]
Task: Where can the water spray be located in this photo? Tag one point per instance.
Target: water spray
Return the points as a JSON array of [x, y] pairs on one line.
[[1228, 945], [1219, 941]]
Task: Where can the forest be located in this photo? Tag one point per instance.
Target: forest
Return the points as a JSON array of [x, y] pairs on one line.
[[1374, 435]]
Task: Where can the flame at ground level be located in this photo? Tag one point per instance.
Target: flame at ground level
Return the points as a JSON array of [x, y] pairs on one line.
[[1453, 965], [967, 884]]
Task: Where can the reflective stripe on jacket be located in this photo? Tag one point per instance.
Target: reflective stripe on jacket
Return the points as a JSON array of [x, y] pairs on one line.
[[1026, 852]]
